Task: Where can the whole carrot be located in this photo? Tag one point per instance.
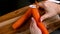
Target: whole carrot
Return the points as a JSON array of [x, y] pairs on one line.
[[21, 20], [37, 19]]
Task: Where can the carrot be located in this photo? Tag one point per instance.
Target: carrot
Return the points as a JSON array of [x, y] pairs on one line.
[[21, 20], [37, 19]]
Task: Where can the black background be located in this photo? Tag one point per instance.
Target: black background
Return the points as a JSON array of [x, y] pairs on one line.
[[7, 6]]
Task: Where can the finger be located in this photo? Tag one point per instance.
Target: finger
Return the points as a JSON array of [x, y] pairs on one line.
[[33, 22], [47, 15], [34, 28]]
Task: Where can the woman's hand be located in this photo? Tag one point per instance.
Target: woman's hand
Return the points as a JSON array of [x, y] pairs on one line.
[[51, 9], [33, 28]]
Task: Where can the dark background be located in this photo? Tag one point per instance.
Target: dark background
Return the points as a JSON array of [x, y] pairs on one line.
[[7, 6]]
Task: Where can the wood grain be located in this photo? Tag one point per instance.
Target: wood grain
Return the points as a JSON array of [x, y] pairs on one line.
[[13, 14], [7, 29]]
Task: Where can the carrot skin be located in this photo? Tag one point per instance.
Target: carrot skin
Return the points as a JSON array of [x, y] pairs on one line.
[[36, 16], [21, 20]]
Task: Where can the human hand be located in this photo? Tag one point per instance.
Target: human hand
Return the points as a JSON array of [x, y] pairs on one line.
[[34, 28], [51, 9]]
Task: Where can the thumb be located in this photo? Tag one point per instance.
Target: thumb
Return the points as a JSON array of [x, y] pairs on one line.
[[34, 28]]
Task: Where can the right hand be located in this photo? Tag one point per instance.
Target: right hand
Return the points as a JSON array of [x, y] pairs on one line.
[[51, 9]]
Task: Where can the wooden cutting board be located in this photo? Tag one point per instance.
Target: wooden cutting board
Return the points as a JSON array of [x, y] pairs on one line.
[[24, 29]]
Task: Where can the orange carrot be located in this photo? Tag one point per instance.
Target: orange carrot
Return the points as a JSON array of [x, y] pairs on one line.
[[21, 20], [37, 19]]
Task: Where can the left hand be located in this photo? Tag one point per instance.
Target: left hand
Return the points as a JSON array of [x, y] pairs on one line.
[[34, 28]]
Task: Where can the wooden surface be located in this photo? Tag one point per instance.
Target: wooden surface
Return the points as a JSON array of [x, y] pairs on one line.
[[7, 29]]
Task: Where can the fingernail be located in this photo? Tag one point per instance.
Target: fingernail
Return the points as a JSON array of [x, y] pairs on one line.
[[41, 19], [32, 19]]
